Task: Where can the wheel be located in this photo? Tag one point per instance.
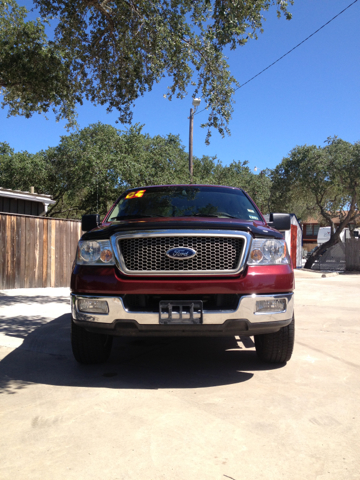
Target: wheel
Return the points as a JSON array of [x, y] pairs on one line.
[[276, 347], [89, 348]]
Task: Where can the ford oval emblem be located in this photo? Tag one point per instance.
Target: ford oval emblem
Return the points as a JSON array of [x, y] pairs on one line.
[[181, 253]]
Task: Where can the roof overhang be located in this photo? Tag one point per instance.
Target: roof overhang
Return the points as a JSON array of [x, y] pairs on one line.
[[33, 197]]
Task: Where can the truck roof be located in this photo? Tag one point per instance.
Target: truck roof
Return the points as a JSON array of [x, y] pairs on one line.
[[184, 185]]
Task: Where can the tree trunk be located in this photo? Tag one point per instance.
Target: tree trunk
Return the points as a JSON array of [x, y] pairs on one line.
[[335, 238]]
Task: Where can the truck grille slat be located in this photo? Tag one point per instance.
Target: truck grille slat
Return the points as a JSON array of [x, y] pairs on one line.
[[213, 254]]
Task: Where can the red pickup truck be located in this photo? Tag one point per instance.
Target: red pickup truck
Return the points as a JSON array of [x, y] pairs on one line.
[[189, 260]]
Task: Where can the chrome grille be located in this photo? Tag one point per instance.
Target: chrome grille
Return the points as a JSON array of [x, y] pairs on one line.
[[213, 254]]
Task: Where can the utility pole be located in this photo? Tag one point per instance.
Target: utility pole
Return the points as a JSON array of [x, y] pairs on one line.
[[196, 103], [191, 130]]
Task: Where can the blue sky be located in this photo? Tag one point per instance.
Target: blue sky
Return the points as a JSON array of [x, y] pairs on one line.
[[311, 94]]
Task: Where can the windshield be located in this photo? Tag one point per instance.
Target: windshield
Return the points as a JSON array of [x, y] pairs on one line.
[[184, 201]]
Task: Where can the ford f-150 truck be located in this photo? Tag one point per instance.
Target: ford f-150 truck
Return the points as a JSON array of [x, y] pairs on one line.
[[189, 260]]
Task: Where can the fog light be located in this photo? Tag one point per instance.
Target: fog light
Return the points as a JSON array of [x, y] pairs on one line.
[[87, 305], [271, 306]]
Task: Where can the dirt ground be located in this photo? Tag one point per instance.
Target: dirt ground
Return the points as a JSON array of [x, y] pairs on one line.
[[182, 409]]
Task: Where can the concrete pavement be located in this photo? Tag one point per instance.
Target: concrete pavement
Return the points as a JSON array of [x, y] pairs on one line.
[[181, 409]]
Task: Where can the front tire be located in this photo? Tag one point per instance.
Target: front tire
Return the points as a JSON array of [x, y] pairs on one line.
[[276, 347], [88, 347]]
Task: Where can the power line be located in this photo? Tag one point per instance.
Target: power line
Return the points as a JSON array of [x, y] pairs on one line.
[[287, 53]]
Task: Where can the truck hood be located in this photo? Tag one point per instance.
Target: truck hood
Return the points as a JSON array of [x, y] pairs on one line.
[[256, 228]]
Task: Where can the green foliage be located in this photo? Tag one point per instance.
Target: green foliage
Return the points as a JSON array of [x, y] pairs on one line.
[[209, 170], [95, 165], [5, 149], [85, 170], [21, 170], [112, 52], [35, 74], [321, 182], [153, 160], [89, 169]]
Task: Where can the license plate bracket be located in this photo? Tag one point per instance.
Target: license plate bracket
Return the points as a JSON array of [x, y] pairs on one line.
[[179, 312]]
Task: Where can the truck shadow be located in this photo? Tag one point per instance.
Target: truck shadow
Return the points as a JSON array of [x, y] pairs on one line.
[[45, 357]]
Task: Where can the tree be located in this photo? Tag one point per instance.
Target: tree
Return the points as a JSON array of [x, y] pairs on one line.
[[21, 170], [209, 170], [35, 74], [89, 169], [113, 51], [257, 186], [85, 170], [95, 165], [154, 160], [323, 182]]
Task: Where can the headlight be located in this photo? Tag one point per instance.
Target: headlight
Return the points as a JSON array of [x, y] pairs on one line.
[[95, 253], [268, 252]]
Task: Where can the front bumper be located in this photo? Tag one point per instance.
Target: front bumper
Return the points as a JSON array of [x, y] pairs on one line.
[[244, 318]]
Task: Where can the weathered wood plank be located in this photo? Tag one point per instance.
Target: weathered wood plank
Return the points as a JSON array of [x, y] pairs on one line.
[[8, 251], [53, 253], [36, 253], [39, 252], [17, 251], [61, 266], [48, 280], [45, 252], [56, 255], [22, 251], [12, 259], [31, 252], [74, 242], [72, 238], [27, 252], [2, 250], [71, 233], [66, 256]]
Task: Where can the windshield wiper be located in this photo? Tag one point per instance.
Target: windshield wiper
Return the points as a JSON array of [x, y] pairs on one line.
[[123, 217]]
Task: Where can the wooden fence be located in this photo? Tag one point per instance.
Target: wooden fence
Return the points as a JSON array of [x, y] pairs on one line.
[[352, 254], [36, 252]]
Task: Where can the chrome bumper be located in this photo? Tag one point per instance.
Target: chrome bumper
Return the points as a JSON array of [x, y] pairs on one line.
[[246, 310]]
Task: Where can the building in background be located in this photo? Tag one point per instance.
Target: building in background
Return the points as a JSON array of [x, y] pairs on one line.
[[311, 229], [25, 203]]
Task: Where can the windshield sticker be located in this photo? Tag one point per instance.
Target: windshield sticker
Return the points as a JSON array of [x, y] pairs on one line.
[[249, 210], [137, 194], [253, 217]]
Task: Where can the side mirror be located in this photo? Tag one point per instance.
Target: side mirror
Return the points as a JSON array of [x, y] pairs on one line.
[[280, 221], [88, 222]]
